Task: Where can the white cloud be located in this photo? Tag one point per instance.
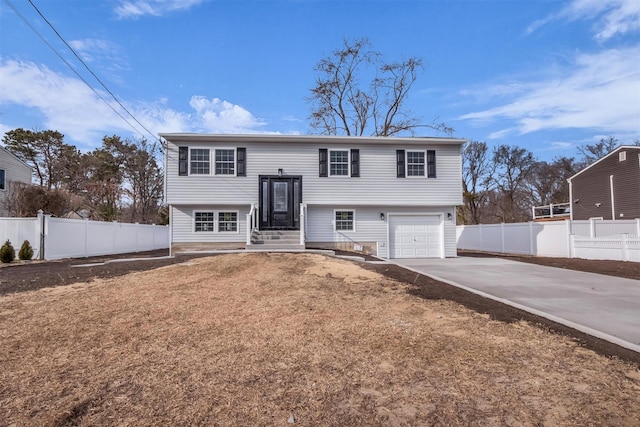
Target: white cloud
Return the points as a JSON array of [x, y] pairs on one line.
[[612, 17], [598, 91], [66, 104], [87, 48], [137, 8], [218, 116], [561, 145]]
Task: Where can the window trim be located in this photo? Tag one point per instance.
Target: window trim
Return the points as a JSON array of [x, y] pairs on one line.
[[406, 162], [348, 163], [193, 218], [217, 222], [235, 159], [190, 161], [353, 221]]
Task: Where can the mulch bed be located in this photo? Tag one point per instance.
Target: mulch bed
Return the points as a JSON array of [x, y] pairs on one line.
[[37, 275]]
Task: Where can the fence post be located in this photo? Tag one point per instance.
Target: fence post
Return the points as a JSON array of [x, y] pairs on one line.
[[572, 246], [86, 237], [638, 227], [40, 233], [592, 227], [502, 237], [625, 252], [531, 238], [137, 237], [567, 223]]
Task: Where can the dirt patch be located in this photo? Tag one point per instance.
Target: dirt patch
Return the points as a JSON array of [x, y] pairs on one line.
[[261, 339], [21, 277]]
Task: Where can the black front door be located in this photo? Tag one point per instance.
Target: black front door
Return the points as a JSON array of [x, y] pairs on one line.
[[280, 198]]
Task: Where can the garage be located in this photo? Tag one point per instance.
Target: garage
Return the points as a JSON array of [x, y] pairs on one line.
[[415, 236]]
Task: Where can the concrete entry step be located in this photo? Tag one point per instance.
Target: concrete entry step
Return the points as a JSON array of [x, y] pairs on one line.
[[276, 239]]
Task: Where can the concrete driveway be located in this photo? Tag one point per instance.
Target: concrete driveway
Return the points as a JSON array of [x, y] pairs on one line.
[[603, 306]]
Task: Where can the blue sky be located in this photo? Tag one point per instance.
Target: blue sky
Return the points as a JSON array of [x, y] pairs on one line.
[[544, 75]]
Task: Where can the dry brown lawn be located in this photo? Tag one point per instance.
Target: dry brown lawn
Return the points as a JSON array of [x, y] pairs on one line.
[[271, 339]]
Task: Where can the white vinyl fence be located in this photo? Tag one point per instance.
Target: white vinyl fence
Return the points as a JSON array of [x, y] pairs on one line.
[[591, 239], [56, 238]]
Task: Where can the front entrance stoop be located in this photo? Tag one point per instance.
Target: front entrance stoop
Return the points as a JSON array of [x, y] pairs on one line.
[[282, 240]]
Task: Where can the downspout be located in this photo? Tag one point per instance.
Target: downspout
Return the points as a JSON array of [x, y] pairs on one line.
[[571, 203], [170, 208], [613, 199]]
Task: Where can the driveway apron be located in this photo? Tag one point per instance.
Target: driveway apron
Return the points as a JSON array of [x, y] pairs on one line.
[[603, 306]]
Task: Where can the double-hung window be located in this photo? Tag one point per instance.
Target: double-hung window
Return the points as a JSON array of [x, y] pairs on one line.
[[3, 186], [204, 221], [199, 161], [344, 220], [225, 161], [415, 163], [228, 221], [338, 162]]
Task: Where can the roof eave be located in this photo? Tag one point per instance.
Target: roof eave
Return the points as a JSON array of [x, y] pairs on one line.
[[626, 147], [200, 137]]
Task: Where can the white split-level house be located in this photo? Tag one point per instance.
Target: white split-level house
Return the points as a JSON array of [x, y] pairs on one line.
[[12, 169], [391, 197]]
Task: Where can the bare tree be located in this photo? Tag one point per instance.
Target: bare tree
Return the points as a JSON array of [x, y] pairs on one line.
[[592, 152], [341, 104], [144, 181], [477, 172], [547, 182], [513, 167]]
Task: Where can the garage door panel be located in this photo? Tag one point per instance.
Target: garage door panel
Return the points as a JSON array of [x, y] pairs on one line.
[[414, 236]]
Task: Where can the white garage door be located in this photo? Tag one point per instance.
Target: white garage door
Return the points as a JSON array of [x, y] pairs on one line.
[[415, 236]]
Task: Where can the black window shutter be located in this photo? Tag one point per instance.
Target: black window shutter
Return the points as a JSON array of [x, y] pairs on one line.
[[241, 162], [400, 163], [355, 163], [183, 161], [323, 162], [431, 163]]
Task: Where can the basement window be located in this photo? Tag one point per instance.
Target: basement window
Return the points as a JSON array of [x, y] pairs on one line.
[[344, 220]]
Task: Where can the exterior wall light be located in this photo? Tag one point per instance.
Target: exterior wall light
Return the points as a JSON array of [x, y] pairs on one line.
[[381, 216], [279, 172]]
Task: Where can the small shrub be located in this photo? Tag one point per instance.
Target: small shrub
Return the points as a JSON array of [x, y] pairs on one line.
[[26, 251], [7, 253]]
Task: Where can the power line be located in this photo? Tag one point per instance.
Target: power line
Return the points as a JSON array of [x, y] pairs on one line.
[[76, 72]]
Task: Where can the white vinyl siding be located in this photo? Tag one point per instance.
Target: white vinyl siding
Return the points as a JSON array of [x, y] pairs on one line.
[[378, 183], [14, 171], [369, 226], [183, 224]]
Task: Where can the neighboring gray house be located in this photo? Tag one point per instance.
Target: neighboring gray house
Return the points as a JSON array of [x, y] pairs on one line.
[[608, 188], [393, 197], [12, 169]]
